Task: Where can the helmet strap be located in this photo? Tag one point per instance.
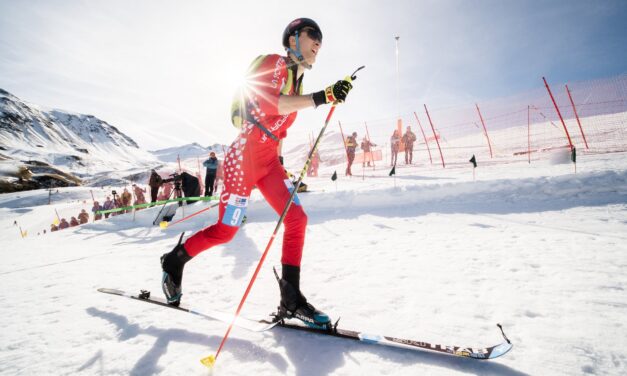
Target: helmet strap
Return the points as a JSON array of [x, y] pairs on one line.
[[298, 54]]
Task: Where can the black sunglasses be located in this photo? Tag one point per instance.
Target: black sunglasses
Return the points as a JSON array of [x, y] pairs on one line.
[[314, 34]]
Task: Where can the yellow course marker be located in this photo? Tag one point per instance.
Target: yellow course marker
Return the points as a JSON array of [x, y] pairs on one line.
[[163, 224], [208, 361]]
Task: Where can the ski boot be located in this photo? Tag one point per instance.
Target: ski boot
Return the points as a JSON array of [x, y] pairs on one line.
[[172, 264], [294, 304]]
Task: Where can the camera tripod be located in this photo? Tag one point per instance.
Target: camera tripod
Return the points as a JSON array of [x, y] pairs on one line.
[[178, 194]]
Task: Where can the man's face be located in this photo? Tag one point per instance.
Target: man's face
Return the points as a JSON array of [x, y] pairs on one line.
[[310, 44]]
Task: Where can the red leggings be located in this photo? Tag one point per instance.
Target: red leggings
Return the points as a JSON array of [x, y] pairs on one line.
[[245, 167]]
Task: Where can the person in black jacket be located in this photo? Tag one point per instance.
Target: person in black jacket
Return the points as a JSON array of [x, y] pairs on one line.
[[211, 165]]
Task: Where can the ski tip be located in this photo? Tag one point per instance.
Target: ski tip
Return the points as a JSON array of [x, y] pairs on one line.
[[503, 333], [208, 361], [500, 350]]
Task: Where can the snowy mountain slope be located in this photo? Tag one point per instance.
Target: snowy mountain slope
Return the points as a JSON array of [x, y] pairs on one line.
[[430, 255], [80, 143]]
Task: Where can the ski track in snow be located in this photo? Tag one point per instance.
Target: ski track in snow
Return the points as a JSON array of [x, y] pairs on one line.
[[430, 255]]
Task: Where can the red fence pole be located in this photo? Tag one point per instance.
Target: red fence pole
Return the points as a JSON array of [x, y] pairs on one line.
[[435, 136], [424, 137], [577, 117], [343, 140], [528, 135], [201, 182], [368, 135], [570, 143], [485, 131]]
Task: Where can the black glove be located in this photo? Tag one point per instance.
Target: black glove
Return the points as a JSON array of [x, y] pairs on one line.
[[335, 93]]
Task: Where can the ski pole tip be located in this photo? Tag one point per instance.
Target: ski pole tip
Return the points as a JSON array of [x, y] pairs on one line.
[[208, 361], [354, 75]]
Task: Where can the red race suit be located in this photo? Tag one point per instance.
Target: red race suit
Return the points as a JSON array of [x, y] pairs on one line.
[[252, 160]]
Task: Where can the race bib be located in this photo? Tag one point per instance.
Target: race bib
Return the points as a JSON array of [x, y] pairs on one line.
[[235, 210]]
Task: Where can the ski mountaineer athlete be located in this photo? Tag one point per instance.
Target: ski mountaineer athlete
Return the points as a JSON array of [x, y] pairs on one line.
[[272, 100]]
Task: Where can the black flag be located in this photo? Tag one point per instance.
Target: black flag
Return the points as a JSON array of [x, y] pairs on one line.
[[334, 176], [573, 155], [473, 160], [392, 171]]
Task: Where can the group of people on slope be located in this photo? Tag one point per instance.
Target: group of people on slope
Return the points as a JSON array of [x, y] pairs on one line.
[[161, 189], [83, 217], [407, 140]]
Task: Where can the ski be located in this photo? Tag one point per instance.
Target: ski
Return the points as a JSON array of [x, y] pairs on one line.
[[241, 322], [483, 353], [333, 330]]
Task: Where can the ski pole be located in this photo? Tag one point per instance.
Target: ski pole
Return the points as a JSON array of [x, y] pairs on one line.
[[210, 360]]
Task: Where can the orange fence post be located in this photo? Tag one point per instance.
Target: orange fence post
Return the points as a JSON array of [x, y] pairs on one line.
[[435, 136]]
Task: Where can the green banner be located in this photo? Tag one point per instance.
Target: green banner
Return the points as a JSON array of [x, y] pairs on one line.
[[151, 204]]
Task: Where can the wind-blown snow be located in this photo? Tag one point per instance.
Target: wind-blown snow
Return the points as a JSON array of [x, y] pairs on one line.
[[429, 255]]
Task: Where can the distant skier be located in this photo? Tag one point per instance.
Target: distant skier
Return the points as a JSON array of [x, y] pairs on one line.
[[270, 108], [351, 146], [211, 166]]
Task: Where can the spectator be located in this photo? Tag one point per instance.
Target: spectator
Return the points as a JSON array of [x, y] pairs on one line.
[[53, 227], [126, 198], [83, 217], [211, 165], [154, 182], [108, 205], [395, 143], [315, 163], [63, 225], [117, 203], [408, 141], [167, 190], [96, 208], [139, 195], [351, 145], [366, 146], [73, 222]]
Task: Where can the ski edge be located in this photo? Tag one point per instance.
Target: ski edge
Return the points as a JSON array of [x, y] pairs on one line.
[[241, 322], [263, 325], [479, 353]]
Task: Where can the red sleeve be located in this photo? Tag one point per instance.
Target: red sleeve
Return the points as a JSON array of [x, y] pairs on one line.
[[267, 81]]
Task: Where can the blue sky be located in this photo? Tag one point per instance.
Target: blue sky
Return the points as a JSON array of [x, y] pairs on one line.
[[164, 72]]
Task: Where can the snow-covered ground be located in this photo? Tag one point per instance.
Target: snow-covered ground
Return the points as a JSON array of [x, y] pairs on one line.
[[429, 255]]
